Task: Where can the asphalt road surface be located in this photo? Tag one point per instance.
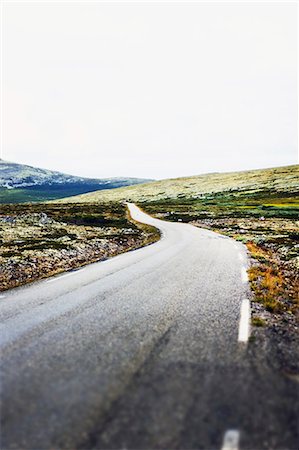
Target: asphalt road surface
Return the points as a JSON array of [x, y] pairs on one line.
[[147, 350]]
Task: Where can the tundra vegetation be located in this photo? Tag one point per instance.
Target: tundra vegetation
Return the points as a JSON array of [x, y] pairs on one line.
[[40, 240]]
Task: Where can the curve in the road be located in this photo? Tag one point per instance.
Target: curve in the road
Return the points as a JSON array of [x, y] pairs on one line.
[[140, 351]]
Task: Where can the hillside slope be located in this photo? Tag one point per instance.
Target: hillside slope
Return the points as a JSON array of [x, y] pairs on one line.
[[275, 180], [22, 183]]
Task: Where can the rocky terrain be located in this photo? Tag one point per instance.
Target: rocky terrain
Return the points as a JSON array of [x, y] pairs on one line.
[[41, 240]]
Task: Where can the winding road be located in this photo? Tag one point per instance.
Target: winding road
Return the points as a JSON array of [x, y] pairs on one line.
[[146, 350]]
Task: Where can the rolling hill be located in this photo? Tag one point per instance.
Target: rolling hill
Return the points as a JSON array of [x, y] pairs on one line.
[[275, 181], [21, 183]]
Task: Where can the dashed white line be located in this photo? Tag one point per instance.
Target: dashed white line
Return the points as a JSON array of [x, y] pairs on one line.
[[2, 296], [231, 440], [244, 275], [244, 325]]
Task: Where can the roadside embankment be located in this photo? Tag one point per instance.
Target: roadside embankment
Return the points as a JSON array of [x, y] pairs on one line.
[[40, 240]]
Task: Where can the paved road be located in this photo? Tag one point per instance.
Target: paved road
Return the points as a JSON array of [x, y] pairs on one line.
[[141, 352]]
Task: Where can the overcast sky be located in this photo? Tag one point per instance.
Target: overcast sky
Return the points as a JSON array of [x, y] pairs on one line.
[[149, 90]]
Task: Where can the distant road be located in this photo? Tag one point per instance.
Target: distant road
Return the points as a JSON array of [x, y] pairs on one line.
[[147, 350]]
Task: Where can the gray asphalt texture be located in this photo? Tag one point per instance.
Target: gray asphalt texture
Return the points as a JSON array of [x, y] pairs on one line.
[[141, 352]]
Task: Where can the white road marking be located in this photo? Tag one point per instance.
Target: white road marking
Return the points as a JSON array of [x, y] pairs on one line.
[[244, 275], [231, 440], [244, 325], [2, 296], [62, 276]]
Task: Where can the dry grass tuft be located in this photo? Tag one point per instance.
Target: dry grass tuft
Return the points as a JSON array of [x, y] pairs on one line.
[[269, 282], [268, 286], [258, 322]]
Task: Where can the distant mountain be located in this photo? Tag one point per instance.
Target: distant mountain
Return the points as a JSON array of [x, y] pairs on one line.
[[22, 183]]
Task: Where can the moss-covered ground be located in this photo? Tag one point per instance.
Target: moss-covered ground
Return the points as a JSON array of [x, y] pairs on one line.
[[39, 240]]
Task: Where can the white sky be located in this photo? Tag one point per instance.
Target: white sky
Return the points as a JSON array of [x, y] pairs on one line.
[[149, 90]]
